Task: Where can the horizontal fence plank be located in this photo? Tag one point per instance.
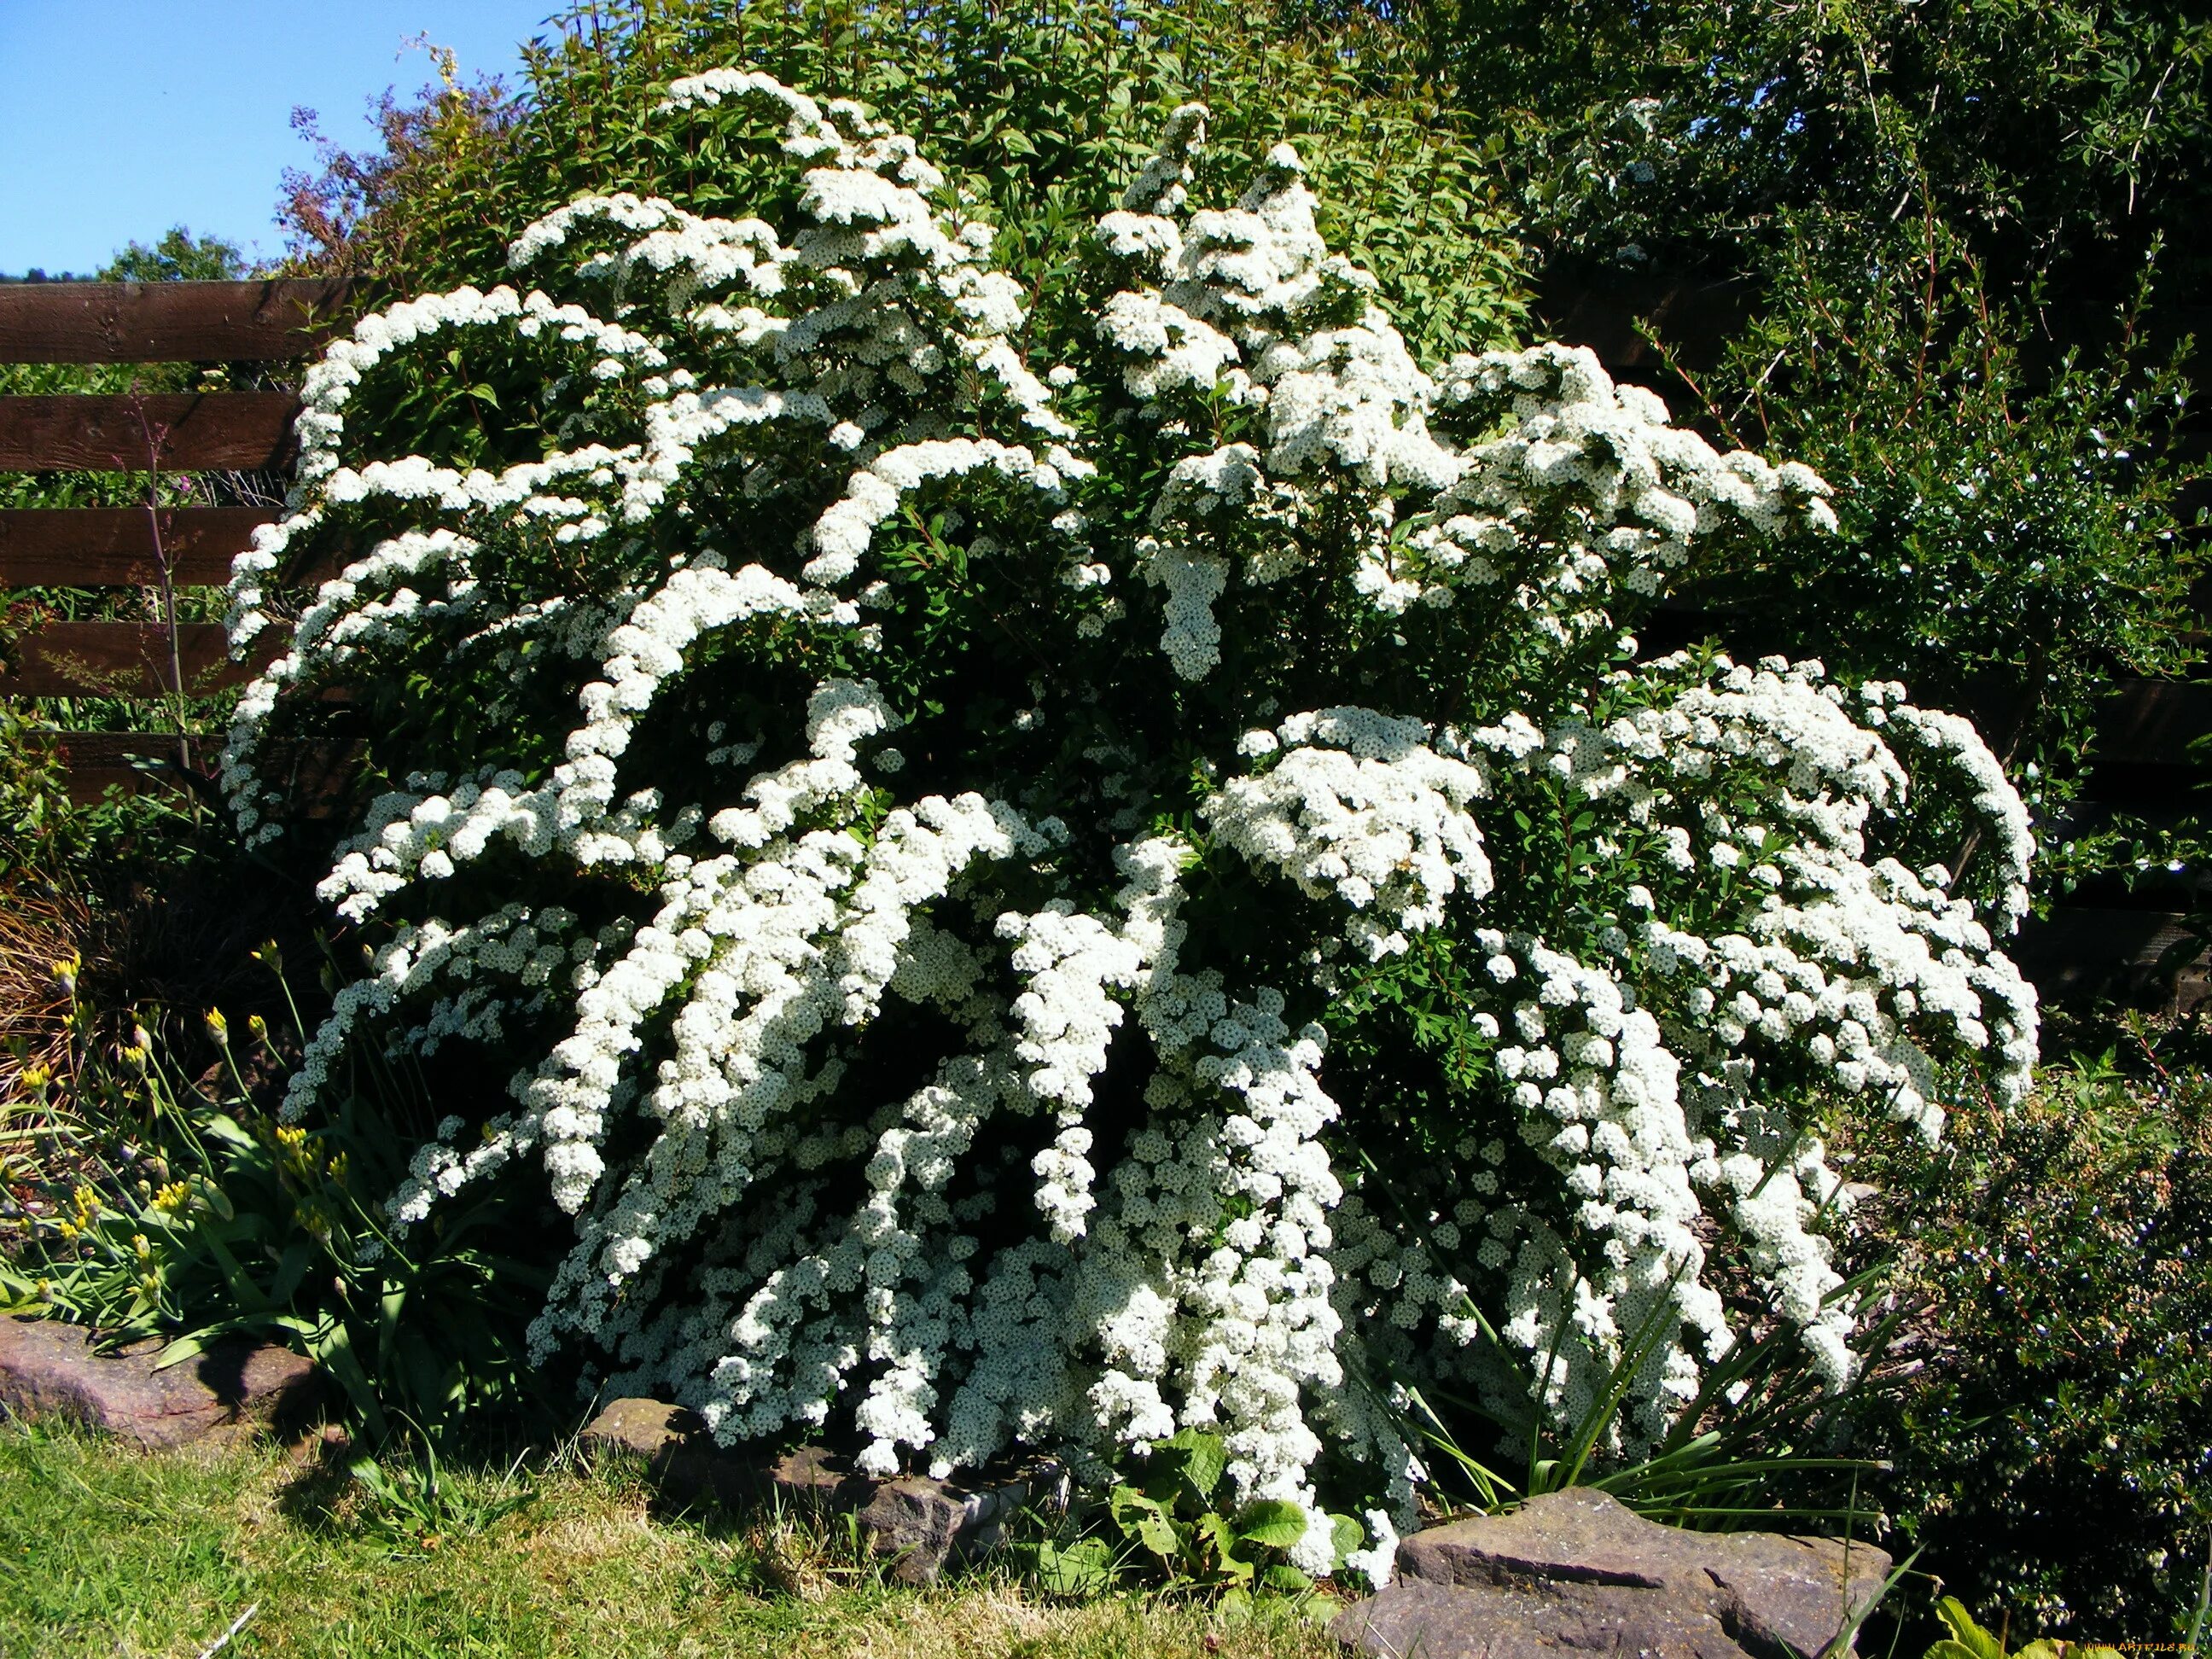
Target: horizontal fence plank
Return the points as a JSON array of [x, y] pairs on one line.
[[240, 431], [2081, 949], [120, 660], [113, 547], [1694, 318], [2154, 722], [96, 762], [167, 322]]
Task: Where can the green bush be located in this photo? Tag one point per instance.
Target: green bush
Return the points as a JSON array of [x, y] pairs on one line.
[[2050, 1445], [1115, 814], [1961, 240], [1038, 110]]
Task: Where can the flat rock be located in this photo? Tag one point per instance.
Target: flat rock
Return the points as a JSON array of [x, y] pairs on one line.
[[1579, 1571], [48, 1368], [919, 1524], [1440, 1621]]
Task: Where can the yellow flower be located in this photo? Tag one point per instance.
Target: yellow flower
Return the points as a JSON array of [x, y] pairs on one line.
[[291, 1137], [218, 1028], [335, 1168], [258, 1027], [139, 1247], [172, 1197], [36, 1077], [65, 972]]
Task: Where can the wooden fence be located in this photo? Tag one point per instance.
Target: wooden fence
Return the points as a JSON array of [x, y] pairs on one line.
[[2145, 757], [126, 548]]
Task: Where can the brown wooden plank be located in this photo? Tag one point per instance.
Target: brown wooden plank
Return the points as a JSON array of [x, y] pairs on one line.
[[113, 547], [119, 660], [95, 762], [1694, 318], [2079, 950], [2154, 722], [223, 430], [167, 322]]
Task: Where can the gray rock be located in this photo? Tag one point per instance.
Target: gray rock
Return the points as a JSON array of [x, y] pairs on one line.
[[918, 1524], [48, 1368], [1441, 1621], [1579, 1571]]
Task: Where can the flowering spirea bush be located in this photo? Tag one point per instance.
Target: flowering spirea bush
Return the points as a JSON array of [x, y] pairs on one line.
[[948, 844]]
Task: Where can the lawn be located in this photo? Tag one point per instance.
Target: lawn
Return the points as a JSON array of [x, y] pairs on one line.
[[107, 1551]]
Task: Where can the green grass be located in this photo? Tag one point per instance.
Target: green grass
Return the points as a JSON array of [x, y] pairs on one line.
[[107, 1551]]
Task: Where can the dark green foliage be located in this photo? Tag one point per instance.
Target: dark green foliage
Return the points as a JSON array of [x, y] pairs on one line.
[[1702, 138], [1959, 243], [2011, 536], [2052, 1451]]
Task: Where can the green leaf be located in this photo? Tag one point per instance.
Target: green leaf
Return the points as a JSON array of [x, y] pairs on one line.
[[1345, 1535], [1203, 1456], [1144, 1520], [1977, 1642], [1274, 1523], [1084, 1567]]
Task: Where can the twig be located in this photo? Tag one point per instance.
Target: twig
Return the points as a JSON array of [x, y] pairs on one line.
[[168, 583], [236, 1625]]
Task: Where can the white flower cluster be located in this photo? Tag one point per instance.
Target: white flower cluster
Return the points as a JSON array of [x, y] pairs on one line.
[[959, 1094]]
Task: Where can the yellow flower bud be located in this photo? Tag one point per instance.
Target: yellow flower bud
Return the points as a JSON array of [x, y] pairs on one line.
[[218, 1028]]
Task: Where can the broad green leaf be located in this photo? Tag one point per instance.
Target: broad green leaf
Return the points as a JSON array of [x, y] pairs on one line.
[[1274, 1523]]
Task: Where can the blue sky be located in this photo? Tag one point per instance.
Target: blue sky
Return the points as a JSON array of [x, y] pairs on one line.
[[119, 118]]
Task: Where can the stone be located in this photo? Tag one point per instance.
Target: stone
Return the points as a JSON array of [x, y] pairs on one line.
[[1579, 1571], [919, 1525], [48, 1368], [1442, 1621]]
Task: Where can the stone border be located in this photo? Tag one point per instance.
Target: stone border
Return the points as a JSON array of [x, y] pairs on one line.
[[921, 1526], [1578, 1571], [49, 1369]]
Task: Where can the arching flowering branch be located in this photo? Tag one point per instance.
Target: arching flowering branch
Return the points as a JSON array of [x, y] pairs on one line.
[[931, 837]]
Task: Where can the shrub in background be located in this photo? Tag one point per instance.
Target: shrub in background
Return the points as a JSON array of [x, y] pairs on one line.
[[1961, 242], [1040, 110], [2049, 1447], [1072, 897]]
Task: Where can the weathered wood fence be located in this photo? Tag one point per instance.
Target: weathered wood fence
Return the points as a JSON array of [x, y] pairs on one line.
[[137, 547], [2145, 759]]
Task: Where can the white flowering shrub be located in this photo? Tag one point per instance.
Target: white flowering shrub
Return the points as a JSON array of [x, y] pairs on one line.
[[1063, 901]]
